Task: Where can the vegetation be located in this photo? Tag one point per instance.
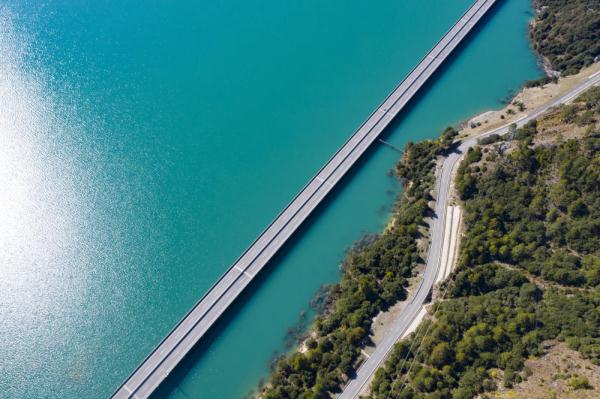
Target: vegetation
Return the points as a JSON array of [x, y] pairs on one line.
[[374, 277], [567, 33], [491, 139], [577, 382], [541, 81], [529, 264]]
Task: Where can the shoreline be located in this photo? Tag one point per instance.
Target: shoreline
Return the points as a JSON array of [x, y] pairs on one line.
[[525, 101], [531, 98]]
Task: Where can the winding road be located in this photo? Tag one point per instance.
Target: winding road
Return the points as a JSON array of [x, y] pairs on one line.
[[153, 370], [435, 262]]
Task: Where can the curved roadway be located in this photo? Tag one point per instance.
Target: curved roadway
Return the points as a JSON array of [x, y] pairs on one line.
[[358, 385]]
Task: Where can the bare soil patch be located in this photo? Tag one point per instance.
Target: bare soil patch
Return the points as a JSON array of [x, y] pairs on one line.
[[554, 375], [530, 98]]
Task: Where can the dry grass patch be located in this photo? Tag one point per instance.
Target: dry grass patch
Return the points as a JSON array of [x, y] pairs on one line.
[[561, 373]]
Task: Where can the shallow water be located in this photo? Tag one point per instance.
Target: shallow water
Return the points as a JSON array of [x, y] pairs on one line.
[[144, 145]]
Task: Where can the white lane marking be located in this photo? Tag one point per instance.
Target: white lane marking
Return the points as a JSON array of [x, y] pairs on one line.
[[594, 75], [324, 181], [129, 391], [432, 58], [575, 94], [243, 271]]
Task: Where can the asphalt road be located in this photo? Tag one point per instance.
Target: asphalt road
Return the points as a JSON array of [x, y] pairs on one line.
[[173, 348], [357, 386]]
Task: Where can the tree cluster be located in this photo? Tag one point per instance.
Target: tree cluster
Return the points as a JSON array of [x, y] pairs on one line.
[[567, 33], [374, 277], [528, 270], [537, 207]]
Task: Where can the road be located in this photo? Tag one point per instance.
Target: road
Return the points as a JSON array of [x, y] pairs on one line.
[[435, 261], [173, 348]]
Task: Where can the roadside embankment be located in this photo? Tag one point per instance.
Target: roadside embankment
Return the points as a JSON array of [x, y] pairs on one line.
[[524, 102]]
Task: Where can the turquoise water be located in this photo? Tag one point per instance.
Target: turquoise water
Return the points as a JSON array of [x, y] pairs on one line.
[[145, 144]]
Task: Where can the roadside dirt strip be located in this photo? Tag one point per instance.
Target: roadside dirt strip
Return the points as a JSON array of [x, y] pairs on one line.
[[449, 249]]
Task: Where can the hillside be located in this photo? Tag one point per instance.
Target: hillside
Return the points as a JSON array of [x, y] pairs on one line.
[[566, 33], [529, 270]]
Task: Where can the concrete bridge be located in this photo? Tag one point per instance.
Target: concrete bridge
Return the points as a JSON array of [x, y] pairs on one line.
[[173, 348]]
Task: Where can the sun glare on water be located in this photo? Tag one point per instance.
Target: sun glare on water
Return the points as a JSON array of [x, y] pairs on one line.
[[40, 208]]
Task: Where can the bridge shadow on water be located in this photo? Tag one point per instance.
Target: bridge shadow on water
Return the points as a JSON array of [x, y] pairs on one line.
[[171, 384]]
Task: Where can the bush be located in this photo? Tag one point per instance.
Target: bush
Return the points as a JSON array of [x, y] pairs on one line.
[[491, 139], [577, 382], [541, 81]]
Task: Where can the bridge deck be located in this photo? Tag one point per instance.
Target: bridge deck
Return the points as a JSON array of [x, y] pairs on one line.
[[171, 350]]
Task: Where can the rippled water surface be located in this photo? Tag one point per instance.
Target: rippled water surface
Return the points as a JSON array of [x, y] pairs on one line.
[[144, 144]]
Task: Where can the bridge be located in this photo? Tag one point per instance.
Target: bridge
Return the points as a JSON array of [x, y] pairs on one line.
[[182, 338]]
